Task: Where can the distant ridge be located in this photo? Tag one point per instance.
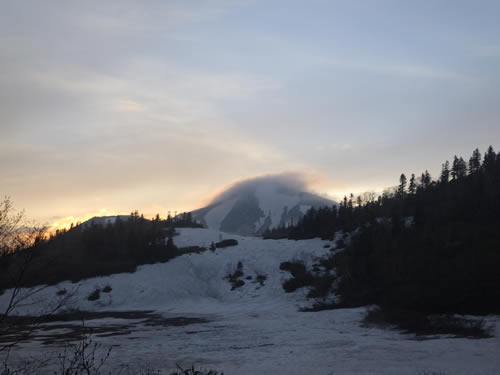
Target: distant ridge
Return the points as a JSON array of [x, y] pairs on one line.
[[104, 220]]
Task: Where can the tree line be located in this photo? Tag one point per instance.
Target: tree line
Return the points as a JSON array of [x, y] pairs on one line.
[[428, 244], [93, 249]]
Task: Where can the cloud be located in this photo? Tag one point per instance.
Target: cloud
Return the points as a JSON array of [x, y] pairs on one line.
[[130, 106], [292, 182], [390, 67], [332, 147]]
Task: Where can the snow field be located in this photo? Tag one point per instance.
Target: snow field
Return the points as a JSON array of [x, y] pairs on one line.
[[255, 329]]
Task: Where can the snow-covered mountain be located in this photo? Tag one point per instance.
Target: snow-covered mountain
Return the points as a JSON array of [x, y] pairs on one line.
[[252, 206]]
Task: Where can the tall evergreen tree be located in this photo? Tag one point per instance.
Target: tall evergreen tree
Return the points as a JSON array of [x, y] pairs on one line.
[[422, 181], [462, 170], [475, 162], [445, 172], [489, 159], [459, 168], [402, 186], [412, 189], [170, 239], [426, 179], [359, 201], [454, 168], [350, 203]]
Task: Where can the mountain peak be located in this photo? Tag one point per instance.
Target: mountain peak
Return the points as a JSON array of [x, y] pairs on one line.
[[252, 206]]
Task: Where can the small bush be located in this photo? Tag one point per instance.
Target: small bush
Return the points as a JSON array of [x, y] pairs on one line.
[[61, 292], [261, 279], [107, 289], [234, 278], [237, 284], [422, 324], [296, 268], [193, 371], [320, 306], [319, 282], [190, 250], [95, 295], [328, 263], [300, 276], [291, 285], [238, 272], [321, 285], [226, 243]]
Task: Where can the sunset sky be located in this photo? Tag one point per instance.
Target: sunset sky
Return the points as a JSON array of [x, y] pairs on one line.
[[112, 106]]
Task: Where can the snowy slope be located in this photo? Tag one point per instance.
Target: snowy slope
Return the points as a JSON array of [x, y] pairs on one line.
[[185, 282], [255, 329], [214, 217]]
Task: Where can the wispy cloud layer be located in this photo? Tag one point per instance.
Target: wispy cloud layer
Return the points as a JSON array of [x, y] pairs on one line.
[[158, 104]]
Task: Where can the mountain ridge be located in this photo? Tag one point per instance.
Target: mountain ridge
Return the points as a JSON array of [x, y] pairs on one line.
[[253, 206]]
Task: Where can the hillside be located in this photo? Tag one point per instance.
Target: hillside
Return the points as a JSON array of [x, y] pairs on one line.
[[197, 281], [99, 246], [254, 328], [431, 246]]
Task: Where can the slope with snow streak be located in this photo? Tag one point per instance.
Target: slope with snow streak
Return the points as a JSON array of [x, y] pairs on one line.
[[196, 282], [215, 216]]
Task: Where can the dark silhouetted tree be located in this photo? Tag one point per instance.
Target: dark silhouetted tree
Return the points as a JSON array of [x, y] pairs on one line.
[[475, 162], [459, 168], [402, 186], [489, 159], [445, 172], [412, 189]]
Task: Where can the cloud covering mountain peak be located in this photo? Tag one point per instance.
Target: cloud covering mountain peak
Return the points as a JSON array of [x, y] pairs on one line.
[[253, 205]]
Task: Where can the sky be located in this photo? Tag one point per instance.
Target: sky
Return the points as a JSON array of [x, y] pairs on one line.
[[108, 107]]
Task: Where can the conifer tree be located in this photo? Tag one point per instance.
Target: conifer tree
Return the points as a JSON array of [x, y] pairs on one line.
[[445, 172], [475, 162], [412, 189], [454, 168], [170, 239], [459, 168], [489, 159], [462, 171], [427, 179], [402, 185], [422, 181], [359, 201], [350, 203]]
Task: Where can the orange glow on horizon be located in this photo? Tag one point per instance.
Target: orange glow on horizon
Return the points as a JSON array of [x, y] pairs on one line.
[[65, 222]]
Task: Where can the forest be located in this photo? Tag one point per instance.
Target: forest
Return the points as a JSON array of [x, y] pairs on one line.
[[429, 245], [92, 249]]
